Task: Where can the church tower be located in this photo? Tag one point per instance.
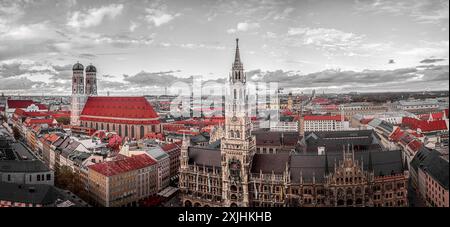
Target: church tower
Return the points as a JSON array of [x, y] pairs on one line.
[[237, 145], [78, 93], [91, 80]]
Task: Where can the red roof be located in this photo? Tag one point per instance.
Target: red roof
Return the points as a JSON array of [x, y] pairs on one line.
[[51, 137], [424, 125], [170, 146], [152, 135], [415, 145], [127, 164], [128, 110], [322, 118], [12, 103], [37, 121], [397, 134], [41, 106], [365, 121], [320, 101]]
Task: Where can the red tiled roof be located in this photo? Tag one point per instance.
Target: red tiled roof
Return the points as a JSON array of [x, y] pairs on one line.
[[320, 101], [35, 121], [127, 164], [128, 110], [424, 125], [365, 121], [23, 113], [322, 118], [170, 146], [397, 134], [51, 137], [415, 145], [434, 116], [41, 106], [153, 135], [12, 103]]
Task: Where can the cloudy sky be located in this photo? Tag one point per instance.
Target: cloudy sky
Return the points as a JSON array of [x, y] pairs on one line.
[[141, 46]]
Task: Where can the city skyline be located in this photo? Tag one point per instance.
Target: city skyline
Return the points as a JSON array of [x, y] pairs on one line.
[[141, 47]]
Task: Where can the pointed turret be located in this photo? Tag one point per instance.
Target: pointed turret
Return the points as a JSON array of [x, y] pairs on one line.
[[237, 57], [237, 73]]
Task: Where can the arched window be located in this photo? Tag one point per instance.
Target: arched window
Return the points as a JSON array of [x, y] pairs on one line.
[[120, 130], [232, 134], [92, 126], [233, 188], [142, 131], [107, 127], [238, 134], [101, 125], [187, 203], [349, 202], [126, 131], [114, 127], [96, 126], [132, 131]]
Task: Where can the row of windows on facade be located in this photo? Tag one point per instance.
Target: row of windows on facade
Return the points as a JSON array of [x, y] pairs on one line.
[[107, 128], [39, 177]]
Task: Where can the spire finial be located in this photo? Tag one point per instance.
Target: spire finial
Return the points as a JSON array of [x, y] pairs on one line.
[[237, 58]]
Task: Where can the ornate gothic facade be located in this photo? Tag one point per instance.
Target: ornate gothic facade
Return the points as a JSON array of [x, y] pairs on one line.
[[236, 175]]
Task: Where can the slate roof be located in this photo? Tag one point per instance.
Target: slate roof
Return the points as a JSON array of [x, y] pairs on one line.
[[270, 138], [35, 194], [28, 166], [270, 162], [204, 156], [431, 162], [384, 163]]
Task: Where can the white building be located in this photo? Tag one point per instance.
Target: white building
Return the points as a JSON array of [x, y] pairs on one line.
[[325, 123]]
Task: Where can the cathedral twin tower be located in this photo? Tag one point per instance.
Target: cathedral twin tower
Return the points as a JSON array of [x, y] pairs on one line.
[[82, 87]]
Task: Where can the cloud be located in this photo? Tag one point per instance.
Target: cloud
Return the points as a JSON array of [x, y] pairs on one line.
[[124, 40], [94, 16], [146, 79], [158, 17], [432, 60], [243, 27], [22, 83], [422, 11], [325, 37], [133, 26], [435, 77]]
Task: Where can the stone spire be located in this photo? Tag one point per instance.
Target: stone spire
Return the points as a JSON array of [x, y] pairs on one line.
[[237, 65]]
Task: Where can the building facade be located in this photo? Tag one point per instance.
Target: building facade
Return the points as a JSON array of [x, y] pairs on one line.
[[237, 175], [122, 182]]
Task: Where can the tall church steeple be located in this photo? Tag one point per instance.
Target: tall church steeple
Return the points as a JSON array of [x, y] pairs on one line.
[[237, 74], [238, 145]]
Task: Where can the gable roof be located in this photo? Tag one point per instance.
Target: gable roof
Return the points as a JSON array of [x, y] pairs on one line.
[[119, 166], [12, 103], [322, 118], [204, 156], [135, 110]]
